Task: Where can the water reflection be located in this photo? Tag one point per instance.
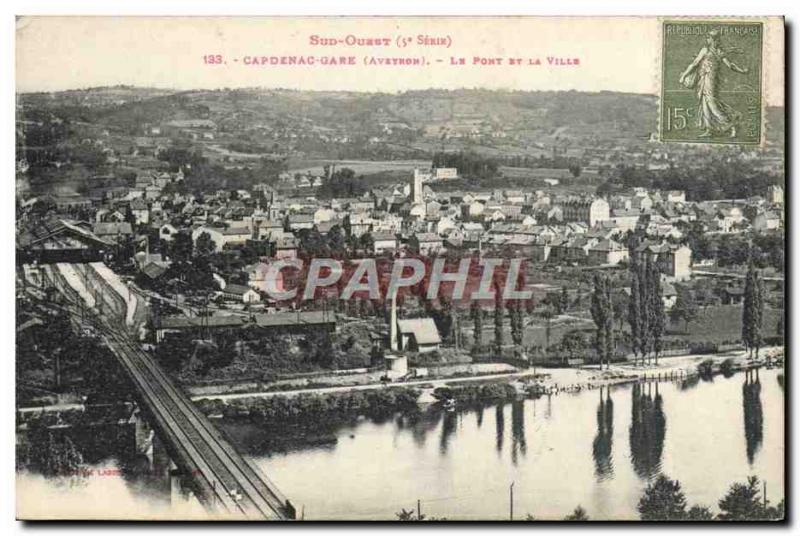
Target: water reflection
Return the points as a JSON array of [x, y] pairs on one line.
[[420, 423], [603, 441], [449, 425], [689, 383], [647, 430], [500, 425], [518, 443], [479, 415], [753, 414]]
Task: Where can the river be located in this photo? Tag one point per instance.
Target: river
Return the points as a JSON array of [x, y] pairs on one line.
[[596, 448]]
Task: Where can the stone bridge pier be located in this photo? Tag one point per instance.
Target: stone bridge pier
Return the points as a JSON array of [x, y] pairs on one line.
[[167, 481]]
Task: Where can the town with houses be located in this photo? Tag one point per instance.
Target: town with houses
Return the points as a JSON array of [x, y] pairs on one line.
[[166, 230], [411, 216]]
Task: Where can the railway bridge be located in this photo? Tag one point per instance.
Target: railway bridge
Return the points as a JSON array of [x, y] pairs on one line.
[[227, 484]]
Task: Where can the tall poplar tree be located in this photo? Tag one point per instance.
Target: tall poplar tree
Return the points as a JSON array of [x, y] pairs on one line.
[[759, 316], [656, 310], [515, 318], [635, 301], [598, 311], [477, 319], [610, 342], [753, 310], [645, 334], [498, 319], [635, 313], [603, 316]]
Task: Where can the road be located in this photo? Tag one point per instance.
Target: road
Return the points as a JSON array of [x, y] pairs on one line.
[[729, 275], [438, 382], [54, 408]]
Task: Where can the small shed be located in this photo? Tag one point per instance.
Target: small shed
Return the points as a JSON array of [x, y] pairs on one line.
[[418, 335], [396, 365]]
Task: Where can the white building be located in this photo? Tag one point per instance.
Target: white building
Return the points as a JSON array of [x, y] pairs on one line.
[[586, 210], [676, 196], [323, 214], [775, 195], [445, 173], [428, 243], [140, 211], [383, 242], [241, 293], [767, 221], [607, 252], [674, 262], [418, 335]]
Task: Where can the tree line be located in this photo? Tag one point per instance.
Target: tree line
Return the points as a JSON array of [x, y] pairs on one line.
[[343, 183], [469, 164], [664, 500], [646, 304], [718, 179]]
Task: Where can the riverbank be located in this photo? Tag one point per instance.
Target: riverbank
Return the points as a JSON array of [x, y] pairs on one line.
[[547, 379], [341, 378], [667, 369]]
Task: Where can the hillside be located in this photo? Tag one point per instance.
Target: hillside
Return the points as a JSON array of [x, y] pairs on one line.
[[100, 130]]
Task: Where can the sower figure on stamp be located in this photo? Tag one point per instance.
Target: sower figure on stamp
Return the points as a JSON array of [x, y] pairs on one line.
[[714, 116]]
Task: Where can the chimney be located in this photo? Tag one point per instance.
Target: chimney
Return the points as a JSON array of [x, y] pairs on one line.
[[393, 324], [416, 187]]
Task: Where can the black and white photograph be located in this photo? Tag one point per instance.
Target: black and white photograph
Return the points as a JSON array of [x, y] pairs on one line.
[[398, 269]]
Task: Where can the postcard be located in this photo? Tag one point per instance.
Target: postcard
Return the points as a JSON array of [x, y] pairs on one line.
[[400, 268]]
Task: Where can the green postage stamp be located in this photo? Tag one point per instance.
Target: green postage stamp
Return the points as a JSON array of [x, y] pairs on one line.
[[711, 74]]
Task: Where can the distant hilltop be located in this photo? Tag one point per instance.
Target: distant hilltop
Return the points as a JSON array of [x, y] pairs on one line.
[[524, 116], [439, 113]]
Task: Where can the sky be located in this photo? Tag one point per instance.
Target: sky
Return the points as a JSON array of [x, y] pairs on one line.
[[616, 54]]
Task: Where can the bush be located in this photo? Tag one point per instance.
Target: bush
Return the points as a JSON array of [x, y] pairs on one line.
[[703, 347], [314, 407], [474, 393], [743, 502], [663, 500], [706, 368], [727, 367], [443, 393], [269, 377]]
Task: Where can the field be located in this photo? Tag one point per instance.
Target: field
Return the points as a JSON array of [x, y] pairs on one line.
[[717, 324], [721, 323], [535, 332]]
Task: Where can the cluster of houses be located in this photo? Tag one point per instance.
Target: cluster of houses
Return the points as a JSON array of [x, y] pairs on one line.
[[544, 227]]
